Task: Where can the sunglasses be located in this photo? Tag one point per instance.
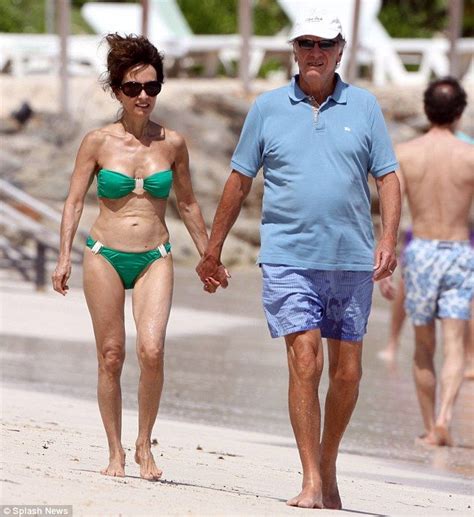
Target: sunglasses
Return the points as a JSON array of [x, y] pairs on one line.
[[324, 44], [133, 89]]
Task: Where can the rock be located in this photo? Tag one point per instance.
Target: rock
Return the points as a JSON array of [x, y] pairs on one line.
[[23, 113], [9, 126], [9, 164]]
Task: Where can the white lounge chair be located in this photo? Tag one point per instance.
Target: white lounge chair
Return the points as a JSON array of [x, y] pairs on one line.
[[383, 53], [167, 29], [39, 53]]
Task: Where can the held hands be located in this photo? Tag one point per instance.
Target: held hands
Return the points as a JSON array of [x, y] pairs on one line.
[[212, 273], [385, 259], [60, 277]]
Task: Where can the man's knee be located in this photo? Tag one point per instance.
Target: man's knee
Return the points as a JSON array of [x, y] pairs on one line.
[[349, 375], [425, 341], [305, 359]]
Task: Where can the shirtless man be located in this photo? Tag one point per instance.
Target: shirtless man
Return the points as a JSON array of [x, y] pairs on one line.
[[437, 175]]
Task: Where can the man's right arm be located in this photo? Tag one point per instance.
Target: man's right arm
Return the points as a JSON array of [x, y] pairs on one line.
[[235, 191]]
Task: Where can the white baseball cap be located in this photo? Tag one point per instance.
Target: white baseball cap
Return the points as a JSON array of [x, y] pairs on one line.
[[321, 24]]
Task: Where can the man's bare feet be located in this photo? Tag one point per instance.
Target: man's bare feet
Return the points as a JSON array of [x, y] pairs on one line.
[[440, 436], [469, 370], [116, 466], [148, 468], [331, 497], [388, 354], [426, 439], [309, 497], [443, 436]]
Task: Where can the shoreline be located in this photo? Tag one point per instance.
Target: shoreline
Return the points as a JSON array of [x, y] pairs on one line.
[[54, 446]]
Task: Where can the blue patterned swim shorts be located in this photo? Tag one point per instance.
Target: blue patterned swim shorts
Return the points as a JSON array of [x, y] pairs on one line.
[[439, 280], [296, 299]]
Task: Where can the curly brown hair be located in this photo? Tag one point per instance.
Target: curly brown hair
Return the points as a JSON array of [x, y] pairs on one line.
[[128, 51]]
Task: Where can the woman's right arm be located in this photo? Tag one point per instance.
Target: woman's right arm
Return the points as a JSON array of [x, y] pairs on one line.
[[81, 179]]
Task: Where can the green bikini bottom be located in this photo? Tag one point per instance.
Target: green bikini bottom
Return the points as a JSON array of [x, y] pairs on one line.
[[128, 264]]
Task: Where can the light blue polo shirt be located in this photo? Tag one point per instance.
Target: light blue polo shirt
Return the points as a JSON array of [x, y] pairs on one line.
[[316, 201]]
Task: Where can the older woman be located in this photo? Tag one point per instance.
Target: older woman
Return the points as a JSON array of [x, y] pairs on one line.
[[136, 162]]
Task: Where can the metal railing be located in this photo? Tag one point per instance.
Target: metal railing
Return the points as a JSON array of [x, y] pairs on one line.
[[25, 219]]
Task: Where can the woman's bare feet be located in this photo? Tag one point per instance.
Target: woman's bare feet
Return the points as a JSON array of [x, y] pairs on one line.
[[116, 466], [148, 468], [309, 497]]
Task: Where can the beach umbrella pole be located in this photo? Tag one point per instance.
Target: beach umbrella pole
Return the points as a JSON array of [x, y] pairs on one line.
[[456, 8], [245, 29], [352, 66], [145, 16], [64, 28]]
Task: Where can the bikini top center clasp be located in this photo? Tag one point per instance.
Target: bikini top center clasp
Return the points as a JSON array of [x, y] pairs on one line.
[[139, 183]]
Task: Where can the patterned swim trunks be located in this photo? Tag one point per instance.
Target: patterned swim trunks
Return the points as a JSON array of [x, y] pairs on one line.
[[439, 280]]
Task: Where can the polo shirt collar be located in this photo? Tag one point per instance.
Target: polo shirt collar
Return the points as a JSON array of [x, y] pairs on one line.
[[339, 95]]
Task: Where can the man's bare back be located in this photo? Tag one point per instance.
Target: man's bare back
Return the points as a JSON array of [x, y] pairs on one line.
[[437, 175]]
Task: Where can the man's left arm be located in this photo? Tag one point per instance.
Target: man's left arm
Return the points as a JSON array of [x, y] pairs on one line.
[[388, 188]]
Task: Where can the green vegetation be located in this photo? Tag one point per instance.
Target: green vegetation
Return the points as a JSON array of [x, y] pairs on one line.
[[401, 18], [413, 18], [221, 16], [422, 18], [28, 16]]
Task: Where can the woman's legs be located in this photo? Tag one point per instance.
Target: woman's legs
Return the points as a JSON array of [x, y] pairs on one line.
[[151, 307], [105, 298]]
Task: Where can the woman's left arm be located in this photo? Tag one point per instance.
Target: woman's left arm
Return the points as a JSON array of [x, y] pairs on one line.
[[188, 206]]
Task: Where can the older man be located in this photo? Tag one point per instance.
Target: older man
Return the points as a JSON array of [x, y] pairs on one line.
[[317, 140], [437, 174]]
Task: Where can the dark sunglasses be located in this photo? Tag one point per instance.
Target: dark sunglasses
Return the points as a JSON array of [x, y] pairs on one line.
[[324, 44], [133, 89]]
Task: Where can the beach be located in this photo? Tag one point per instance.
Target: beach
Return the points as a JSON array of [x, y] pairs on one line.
[[214, 460], [223, 437]]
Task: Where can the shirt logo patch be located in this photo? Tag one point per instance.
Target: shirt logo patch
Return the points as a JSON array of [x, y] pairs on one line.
[[347, 129]]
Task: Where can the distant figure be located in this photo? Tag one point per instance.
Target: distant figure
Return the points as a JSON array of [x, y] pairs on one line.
[[437, 174], [136, 162], [396, 294], [317, 139]]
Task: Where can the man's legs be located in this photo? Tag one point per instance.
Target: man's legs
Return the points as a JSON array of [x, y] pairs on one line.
[[469, 347], [345, 371], [305, 363], [397, 318], [451, 375], [425, 377]]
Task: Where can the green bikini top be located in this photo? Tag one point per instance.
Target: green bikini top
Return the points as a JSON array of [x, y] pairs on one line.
[[113, 185]]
